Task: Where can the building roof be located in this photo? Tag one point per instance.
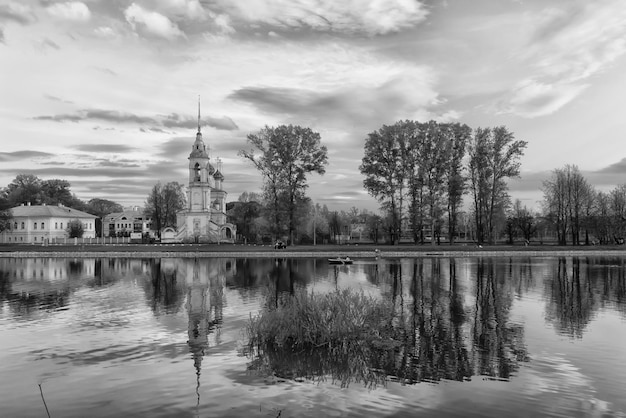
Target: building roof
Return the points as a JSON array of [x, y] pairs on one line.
[[49, 211], [130, 214]]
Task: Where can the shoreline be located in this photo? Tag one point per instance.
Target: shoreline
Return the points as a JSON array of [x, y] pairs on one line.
[[369, 251]]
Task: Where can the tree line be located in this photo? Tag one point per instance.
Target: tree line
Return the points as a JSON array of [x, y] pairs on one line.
[[419, 172], [30, 189]]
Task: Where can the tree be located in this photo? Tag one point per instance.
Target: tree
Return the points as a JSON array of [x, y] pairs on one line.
[[5, 213], [385, 172], [24, 188], [420, 163], [101, 208], [454, 177], [567, 199], [494, 156], [57, 191], [163, 203], [285, 155], [244, 214], [75, 228]]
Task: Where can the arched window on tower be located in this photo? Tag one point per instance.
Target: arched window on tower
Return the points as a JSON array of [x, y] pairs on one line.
[[196, 169]]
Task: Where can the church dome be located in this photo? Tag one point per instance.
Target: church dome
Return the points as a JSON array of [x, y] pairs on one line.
[[198, 149]]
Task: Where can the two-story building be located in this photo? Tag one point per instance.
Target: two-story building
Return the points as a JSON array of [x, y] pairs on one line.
[[122, 224], [37, 224]]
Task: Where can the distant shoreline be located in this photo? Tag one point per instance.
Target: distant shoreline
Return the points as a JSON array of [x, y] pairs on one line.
[[302, 251]]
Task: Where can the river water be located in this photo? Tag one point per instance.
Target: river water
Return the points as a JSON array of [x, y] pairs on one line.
[[493, 337]]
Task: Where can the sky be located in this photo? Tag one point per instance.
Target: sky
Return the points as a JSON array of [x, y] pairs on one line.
[[104, 93]]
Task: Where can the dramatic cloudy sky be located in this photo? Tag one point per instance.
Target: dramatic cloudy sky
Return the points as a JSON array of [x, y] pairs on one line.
[[103, 93]]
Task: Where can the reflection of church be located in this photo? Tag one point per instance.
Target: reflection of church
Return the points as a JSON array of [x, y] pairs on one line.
[[204, 218], [204, 280]]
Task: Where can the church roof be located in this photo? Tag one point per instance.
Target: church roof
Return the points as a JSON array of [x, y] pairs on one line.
[[49, 211], [218, 175]]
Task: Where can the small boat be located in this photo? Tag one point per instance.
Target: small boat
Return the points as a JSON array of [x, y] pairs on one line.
[[340, 260]]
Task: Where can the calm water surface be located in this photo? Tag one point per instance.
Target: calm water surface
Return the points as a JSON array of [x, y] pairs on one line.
[[495, 337]]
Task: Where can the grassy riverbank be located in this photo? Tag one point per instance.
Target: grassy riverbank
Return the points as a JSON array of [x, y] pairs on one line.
[[354, 250]]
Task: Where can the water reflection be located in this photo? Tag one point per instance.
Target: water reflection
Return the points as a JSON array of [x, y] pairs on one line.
[[580, 287], [433, 334], [452, 319]]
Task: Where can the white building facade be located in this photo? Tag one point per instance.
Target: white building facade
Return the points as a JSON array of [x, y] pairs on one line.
[[38, 224]]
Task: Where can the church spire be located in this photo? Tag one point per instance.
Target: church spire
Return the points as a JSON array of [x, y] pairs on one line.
[[199, 113]]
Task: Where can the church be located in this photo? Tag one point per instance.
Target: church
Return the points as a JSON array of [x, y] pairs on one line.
[[204, 218]]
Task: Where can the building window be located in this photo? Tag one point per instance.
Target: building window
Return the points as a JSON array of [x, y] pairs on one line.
[[35, 239], [61, 225], [21, 238], [35, 224], [15, 225], [22, 225], [56, 225], [43, 225]]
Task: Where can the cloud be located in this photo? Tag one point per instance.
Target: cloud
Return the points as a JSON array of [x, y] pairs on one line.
[[15, 12], [105, 32], [158, 130], [615, 168], [190, 9], [22, 155], [113, 148], [75, 11], [370, 17], [402, 97], [175, 148], [531, 98], [56, 99], [46, 43], [152, 22], [99, 114], [568, 47], [113, 163], [174, 120]]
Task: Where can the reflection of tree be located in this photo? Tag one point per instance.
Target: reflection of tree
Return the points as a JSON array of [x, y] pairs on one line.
[[419, 336], [573, 295], [434, 347], [164, 292], [284, 276], [497, 344]]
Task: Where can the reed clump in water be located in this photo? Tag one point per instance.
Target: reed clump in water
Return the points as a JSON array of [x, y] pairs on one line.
[[340, 334], [311, 320]]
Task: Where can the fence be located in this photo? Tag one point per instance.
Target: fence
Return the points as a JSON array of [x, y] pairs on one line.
[[88, 241]]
